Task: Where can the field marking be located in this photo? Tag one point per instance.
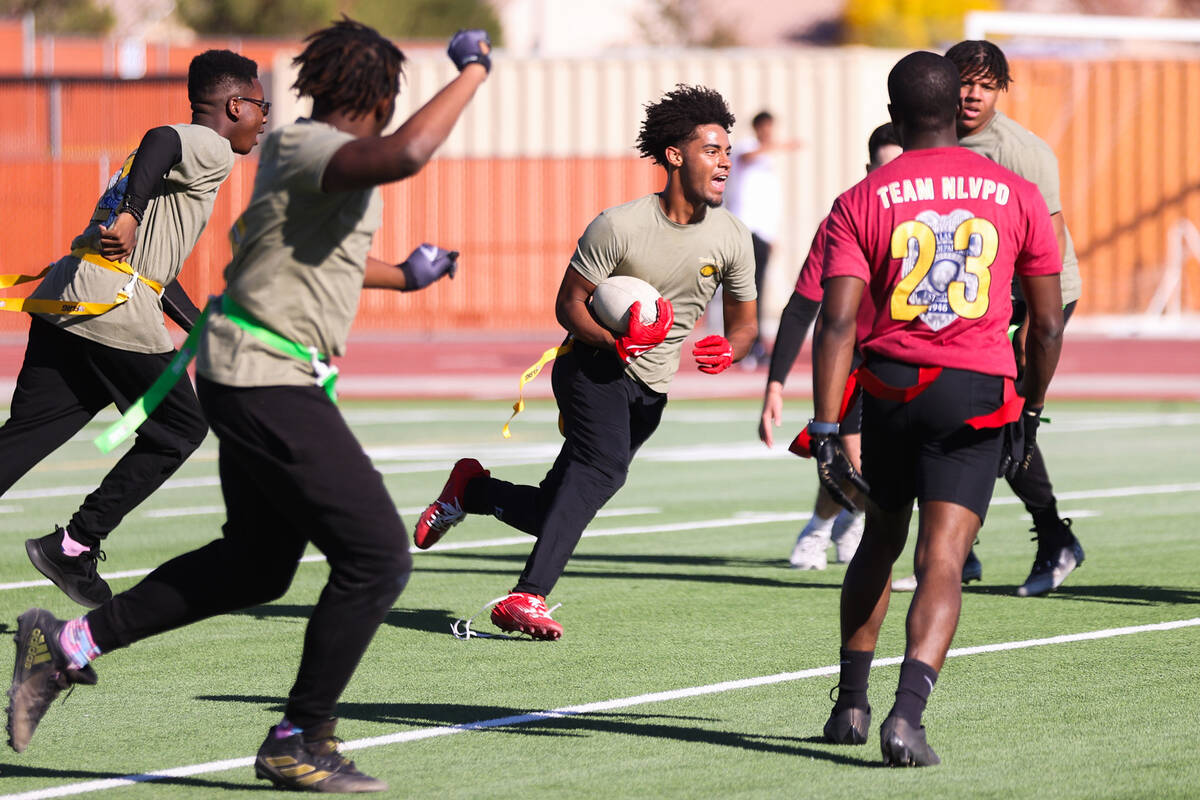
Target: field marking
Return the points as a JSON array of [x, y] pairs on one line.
[[751, 518], [197, 511], [85, 787], [725, 522]]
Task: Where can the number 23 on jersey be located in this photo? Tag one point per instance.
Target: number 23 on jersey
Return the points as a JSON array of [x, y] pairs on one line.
[[948, 269]]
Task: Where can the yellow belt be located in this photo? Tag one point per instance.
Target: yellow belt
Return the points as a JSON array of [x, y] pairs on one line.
[[530, 374], [74, 307]]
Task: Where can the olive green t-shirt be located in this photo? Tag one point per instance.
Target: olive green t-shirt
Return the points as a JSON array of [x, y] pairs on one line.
[[685, 263], [298, 263], [1013, 147], [173, 221]]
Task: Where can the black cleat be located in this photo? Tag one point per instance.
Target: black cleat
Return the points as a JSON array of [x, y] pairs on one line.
[[75, 575], [848, 726], [905, 746], [311, 762], [1058, 554], [972, 568], [41, 673]]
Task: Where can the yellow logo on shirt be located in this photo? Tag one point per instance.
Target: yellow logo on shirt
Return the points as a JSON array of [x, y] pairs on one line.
[[708, 270]]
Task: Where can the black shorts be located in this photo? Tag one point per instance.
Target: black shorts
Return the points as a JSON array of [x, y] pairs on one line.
[[923, 449]]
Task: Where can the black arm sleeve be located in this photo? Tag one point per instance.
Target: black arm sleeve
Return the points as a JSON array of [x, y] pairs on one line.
[[179, 307], [160, 150], [798, 314]]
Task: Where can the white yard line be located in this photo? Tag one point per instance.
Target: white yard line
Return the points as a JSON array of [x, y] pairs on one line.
[[84, 787], [741, 519], [198, 511], [726, 522]]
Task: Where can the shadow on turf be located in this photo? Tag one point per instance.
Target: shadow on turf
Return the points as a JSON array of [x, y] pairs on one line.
[[1114, 594], [417, 619], [655, 726], [723, 567], [49, 773]]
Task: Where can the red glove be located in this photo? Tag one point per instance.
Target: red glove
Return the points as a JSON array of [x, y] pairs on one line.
[[642, 337], [713, 354]]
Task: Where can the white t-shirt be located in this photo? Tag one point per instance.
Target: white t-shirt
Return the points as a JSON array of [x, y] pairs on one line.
[[755, 192]]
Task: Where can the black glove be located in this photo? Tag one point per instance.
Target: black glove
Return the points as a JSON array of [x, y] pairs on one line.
[[1020, 440], [471, 47], [833, 467], [426, 264]]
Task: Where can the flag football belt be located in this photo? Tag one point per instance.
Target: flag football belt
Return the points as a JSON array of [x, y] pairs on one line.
[[863, 379], [324, 375], [528, 375], [33, 305]]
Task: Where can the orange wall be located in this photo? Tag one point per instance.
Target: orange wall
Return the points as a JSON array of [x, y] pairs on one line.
[[1120, 129], [1124, 133], [514, 221]]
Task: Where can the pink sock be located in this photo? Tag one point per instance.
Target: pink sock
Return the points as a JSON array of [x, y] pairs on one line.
[[77, 643], [285, 729], [71, 547]]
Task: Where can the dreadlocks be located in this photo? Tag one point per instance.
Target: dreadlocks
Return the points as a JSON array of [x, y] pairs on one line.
[[674, 119], [348, 66], [980, 59]]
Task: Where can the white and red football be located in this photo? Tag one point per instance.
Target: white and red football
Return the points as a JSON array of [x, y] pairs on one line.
[[615, 294]]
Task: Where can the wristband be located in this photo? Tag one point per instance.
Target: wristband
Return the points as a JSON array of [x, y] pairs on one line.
[[822, 428]]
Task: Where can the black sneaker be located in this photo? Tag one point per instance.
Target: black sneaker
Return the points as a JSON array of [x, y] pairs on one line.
[[75, 575], [905, 746], [41, 673], [848, 726], [311, 762], [972, 568], [1058, 554]]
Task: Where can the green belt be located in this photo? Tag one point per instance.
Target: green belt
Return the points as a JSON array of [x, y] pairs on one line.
[[139, 411], [324, 375]]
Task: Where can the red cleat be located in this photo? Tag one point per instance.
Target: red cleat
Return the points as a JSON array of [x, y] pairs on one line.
[[526, 613], [447, 511]]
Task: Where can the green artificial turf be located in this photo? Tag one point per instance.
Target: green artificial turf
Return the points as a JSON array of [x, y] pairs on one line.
[[691, 590]]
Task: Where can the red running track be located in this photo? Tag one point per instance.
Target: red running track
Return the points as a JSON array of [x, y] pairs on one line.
[[488, 365]]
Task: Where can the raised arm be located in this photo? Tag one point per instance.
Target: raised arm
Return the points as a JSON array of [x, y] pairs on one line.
[[374, 160]]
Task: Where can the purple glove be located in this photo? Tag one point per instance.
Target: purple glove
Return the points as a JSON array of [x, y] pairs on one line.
[[471, 47], [426, 264]]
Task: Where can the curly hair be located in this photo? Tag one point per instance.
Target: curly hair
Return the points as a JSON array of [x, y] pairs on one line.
[[674, 119], [219, 71], [980, 59], [348, 66]]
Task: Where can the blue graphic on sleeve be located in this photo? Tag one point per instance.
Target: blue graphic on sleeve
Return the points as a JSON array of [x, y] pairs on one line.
[[110, 201]]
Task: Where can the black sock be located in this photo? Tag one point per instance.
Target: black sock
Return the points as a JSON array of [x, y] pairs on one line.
[[475, 498], [852, 686], [916, 682]]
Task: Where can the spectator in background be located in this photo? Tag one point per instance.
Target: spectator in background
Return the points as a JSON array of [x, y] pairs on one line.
[[755, 196]]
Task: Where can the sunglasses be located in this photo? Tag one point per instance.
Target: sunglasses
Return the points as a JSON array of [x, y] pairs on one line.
[[265, 105]]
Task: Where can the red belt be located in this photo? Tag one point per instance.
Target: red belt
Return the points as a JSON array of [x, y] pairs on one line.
[[862, 378]]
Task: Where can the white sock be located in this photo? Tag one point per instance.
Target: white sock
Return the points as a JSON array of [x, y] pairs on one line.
[[819, 526]]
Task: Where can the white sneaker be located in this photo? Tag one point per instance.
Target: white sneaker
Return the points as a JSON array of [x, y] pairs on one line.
[[847, 533], [809, 552], [908, 584]]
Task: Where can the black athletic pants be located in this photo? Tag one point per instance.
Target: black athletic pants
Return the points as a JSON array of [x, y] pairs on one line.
[[762, 254], [291, 473], [66, 380], [606, 417], [1032, 485]]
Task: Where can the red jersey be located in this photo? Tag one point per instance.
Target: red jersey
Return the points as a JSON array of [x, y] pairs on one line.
[[809, 283], [937, 235]]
